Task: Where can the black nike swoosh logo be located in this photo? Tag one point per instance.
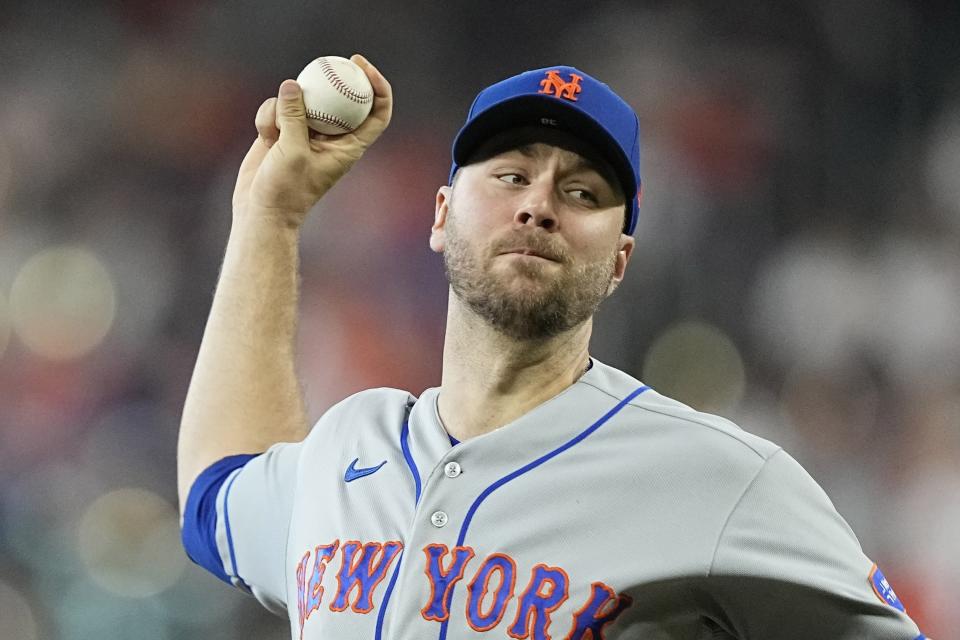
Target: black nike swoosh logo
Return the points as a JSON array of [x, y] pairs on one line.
[[352, 473]]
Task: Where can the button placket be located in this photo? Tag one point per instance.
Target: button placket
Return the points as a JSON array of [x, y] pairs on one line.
[[451, 469]]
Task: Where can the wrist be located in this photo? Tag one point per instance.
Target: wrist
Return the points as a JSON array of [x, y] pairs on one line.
[[268, 218]]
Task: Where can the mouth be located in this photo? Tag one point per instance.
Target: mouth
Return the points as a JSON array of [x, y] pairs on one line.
[[527, 252]]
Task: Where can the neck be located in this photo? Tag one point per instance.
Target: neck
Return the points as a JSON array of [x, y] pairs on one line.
[[490, 379]]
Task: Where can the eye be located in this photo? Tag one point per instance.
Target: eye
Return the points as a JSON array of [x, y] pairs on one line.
[[512, 178], [584, 195]]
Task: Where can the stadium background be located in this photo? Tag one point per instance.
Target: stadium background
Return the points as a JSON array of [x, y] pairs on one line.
[[798, 262]]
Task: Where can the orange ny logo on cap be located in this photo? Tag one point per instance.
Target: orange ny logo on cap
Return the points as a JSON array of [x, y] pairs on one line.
[[554, 85]]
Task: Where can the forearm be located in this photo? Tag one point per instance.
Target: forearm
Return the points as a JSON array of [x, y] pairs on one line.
[[244, 395]]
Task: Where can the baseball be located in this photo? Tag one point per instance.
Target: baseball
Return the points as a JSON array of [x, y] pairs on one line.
[[336, 93]]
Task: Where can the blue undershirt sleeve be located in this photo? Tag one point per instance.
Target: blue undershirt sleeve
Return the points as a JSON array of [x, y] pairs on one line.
[[199, 529]]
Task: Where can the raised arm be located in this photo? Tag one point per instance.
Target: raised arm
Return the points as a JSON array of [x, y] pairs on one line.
[[244, 395]]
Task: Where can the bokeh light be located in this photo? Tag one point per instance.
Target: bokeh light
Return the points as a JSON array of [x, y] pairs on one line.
[[129, 541], [17, 620], [698, 364], [62, 302]]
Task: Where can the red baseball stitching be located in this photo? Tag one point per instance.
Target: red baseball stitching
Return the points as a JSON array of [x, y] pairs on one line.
[[328, 119], [357, 96]]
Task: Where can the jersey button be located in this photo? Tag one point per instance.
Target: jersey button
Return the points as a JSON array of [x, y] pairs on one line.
[[452, 470], [439, 519]]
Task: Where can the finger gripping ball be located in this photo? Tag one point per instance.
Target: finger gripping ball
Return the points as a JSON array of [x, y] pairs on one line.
[[336, 93]]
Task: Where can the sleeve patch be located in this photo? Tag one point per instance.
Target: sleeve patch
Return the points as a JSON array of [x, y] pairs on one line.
[[199, 529], [882, 588]]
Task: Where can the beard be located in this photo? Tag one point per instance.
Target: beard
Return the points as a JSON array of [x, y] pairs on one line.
[[544, 304]]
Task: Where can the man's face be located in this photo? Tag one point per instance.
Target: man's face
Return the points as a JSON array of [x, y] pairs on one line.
[[532, 239]]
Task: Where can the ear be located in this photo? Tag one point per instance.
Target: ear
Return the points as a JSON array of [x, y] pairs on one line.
[[441, 210], [624, 251]]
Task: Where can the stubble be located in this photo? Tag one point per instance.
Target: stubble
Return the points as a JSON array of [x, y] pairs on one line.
[[531, 303]]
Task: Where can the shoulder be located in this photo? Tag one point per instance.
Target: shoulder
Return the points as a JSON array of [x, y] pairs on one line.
[[650, 411], [372, 401], [652, 420], [364, 411]]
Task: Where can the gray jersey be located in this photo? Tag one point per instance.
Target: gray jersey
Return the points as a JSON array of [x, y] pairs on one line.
[[609, 511]]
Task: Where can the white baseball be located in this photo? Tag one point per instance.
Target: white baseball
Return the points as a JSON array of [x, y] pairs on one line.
[[336, 93]]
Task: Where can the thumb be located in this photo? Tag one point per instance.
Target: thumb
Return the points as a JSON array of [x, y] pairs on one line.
[[292, 115]]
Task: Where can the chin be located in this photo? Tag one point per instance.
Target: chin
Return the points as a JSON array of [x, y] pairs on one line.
[[528, 269], [524, 286]]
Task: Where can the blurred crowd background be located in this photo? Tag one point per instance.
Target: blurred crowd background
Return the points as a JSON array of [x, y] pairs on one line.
[[797, 270]]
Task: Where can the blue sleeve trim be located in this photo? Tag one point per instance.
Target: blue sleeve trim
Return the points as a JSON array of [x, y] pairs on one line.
[[199, 531], [226, 518]]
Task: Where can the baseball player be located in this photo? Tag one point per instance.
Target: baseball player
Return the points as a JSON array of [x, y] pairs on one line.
[[536, 492]]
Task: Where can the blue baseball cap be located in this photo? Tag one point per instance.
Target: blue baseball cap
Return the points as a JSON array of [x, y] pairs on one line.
[[566, 99]]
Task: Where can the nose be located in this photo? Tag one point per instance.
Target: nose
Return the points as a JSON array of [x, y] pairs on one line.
[[537, 208]]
